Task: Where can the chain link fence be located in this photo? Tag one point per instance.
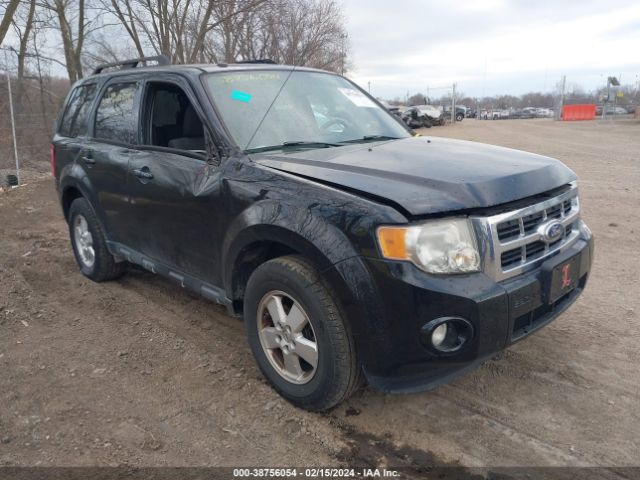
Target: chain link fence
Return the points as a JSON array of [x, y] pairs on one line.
[[29, 103]]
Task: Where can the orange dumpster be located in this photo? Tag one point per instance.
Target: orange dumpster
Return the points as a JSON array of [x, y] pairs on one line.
[[579, 112]]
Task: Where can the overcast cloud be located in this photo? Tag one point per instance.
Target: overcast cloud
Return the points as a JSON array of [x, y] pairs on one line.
[[491, 46]]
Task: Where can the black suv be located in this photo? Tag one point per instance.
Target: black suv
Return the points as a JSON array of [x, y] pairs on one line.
[[353, 249]]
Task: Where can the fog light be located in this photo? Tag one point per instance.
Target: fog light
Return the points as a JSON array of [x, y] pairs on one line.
[[439, 334], [446, 334]]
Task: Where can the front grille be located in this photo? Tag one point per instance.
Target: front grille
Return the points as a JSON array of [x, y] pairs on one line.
[[514, 242]]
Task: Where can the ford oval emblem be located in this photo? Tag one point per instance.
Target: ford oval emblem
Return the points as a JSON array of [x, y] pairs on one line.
[[551, 231]]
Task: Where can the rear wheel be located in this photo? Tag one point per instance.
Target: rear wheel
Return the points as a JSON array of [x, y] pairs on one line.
[[89, 244], [298, 336]]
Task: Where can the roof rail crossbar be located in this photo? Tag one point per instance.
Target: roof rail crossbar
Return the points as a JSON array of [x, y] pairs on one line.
[[259, 60], [133, 63]]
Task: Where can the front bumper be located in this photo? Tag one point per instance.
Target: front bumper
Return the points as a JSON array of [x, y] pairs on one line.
[[394, 359]]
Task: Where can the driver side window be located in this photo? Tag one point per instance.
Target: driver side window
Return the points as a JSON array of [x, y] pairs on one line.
[[171, 120]]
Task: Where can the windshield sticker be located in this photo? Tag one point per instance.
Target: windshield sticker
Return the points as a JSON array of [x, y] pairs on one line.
[[229, 78], [241, 96], [357, 98]]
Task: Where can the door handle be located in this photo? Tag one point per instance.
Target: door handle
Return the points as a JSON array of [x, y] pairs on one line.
[[143, 173]]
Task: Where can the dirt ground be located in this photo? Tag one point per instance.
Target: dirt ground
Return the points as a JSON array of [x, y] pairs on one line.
[[139, 372]]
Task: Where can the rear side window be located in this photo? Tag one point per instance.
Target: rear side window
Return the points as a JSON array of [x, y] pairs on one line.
[[116, 116], [74, 122]]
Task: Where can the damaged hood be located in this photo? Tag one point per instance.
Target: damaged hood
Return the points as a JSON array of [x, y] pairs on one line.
[[427, 175]]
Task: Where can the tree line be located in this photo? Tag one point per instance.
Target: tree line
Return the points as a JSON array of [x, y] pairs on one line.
[[574, 94], [296, 32], [44, 38]]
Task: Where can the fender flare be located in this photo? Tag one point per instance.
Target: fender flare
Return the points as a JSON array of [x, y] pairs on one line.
[[269, 221], [73, 176]]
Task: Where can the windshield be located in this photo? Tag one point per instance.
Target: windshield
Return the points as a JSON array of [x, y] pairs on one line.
[[263, 109]]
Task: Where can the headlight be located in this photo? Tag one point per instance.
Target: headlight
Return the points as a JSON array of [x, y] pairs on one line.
[[438, 246]]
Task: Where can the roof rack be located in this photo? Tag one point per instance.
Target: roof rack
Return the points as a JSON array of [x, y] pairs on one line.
[[259, 60], [133, 63]]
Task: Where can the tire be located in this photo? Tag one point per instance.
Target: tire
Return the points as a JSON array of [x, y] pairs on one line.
[[87, 235], [305, 298], [459, 117]]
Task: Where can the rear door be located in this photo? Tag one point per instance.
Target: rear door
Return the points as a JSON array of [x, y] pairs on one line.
[[71, 134], [108, 152]]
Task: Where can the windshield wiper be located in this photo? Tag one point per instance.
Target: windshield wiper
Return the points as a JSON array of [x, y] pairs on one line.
[[370, 138], [295, 144]]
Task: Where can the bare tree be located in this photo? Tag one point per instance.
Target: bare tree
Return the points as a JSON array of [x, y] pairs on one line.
[[23, 25], [295, 32], [125, 14], [176, 28], [69, 17], [7, 18]]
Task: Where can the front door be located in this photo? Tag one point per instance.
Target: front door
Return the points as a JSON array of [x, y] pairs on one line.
[[174, 192], [174, 199]]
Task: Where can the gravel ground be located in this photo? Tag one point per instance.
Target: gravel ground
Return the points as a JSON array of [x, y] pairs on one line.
[[138, 372]]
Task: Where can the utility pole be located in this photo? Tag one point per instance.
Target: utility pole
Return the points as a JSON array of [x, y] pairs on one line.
[[616, 83], [453, 104], [13, 119], [561, 103], [343, 53]]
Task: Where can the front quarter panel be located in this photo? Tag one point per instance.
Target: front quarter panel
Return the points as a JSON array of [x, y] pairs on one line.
[[324, 224]]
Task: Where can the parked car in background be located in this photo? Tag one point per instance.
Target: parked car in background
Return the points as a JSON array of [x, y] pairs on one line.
[[612, 110], [422, 116], [492, 114], [461, 112], [397, 111], [413, 118], [615, 110], [436, 116], [543, 113], [519, 113]]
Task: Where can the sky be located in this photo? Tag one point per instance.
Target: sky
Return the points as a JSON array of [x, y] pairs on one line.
[[490, 47]]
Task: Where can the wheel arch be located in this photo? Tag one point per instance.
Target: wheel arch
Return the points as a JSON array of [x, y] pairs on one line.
[[268, 230], [74, 183], [69, 194], [259, 244]]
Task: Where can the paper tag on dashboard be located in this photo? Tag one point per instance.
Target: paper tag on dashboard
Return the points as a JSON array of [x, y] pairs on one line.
[[357, 98]]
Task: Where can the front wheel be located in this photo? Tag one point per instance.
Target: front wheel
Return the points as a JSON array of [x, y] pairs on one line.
[[298, 336]]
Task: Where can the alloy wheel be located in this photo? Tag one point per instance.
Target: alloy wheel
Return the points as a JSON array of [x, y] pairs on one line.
[[287, 337], [84, 241]]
